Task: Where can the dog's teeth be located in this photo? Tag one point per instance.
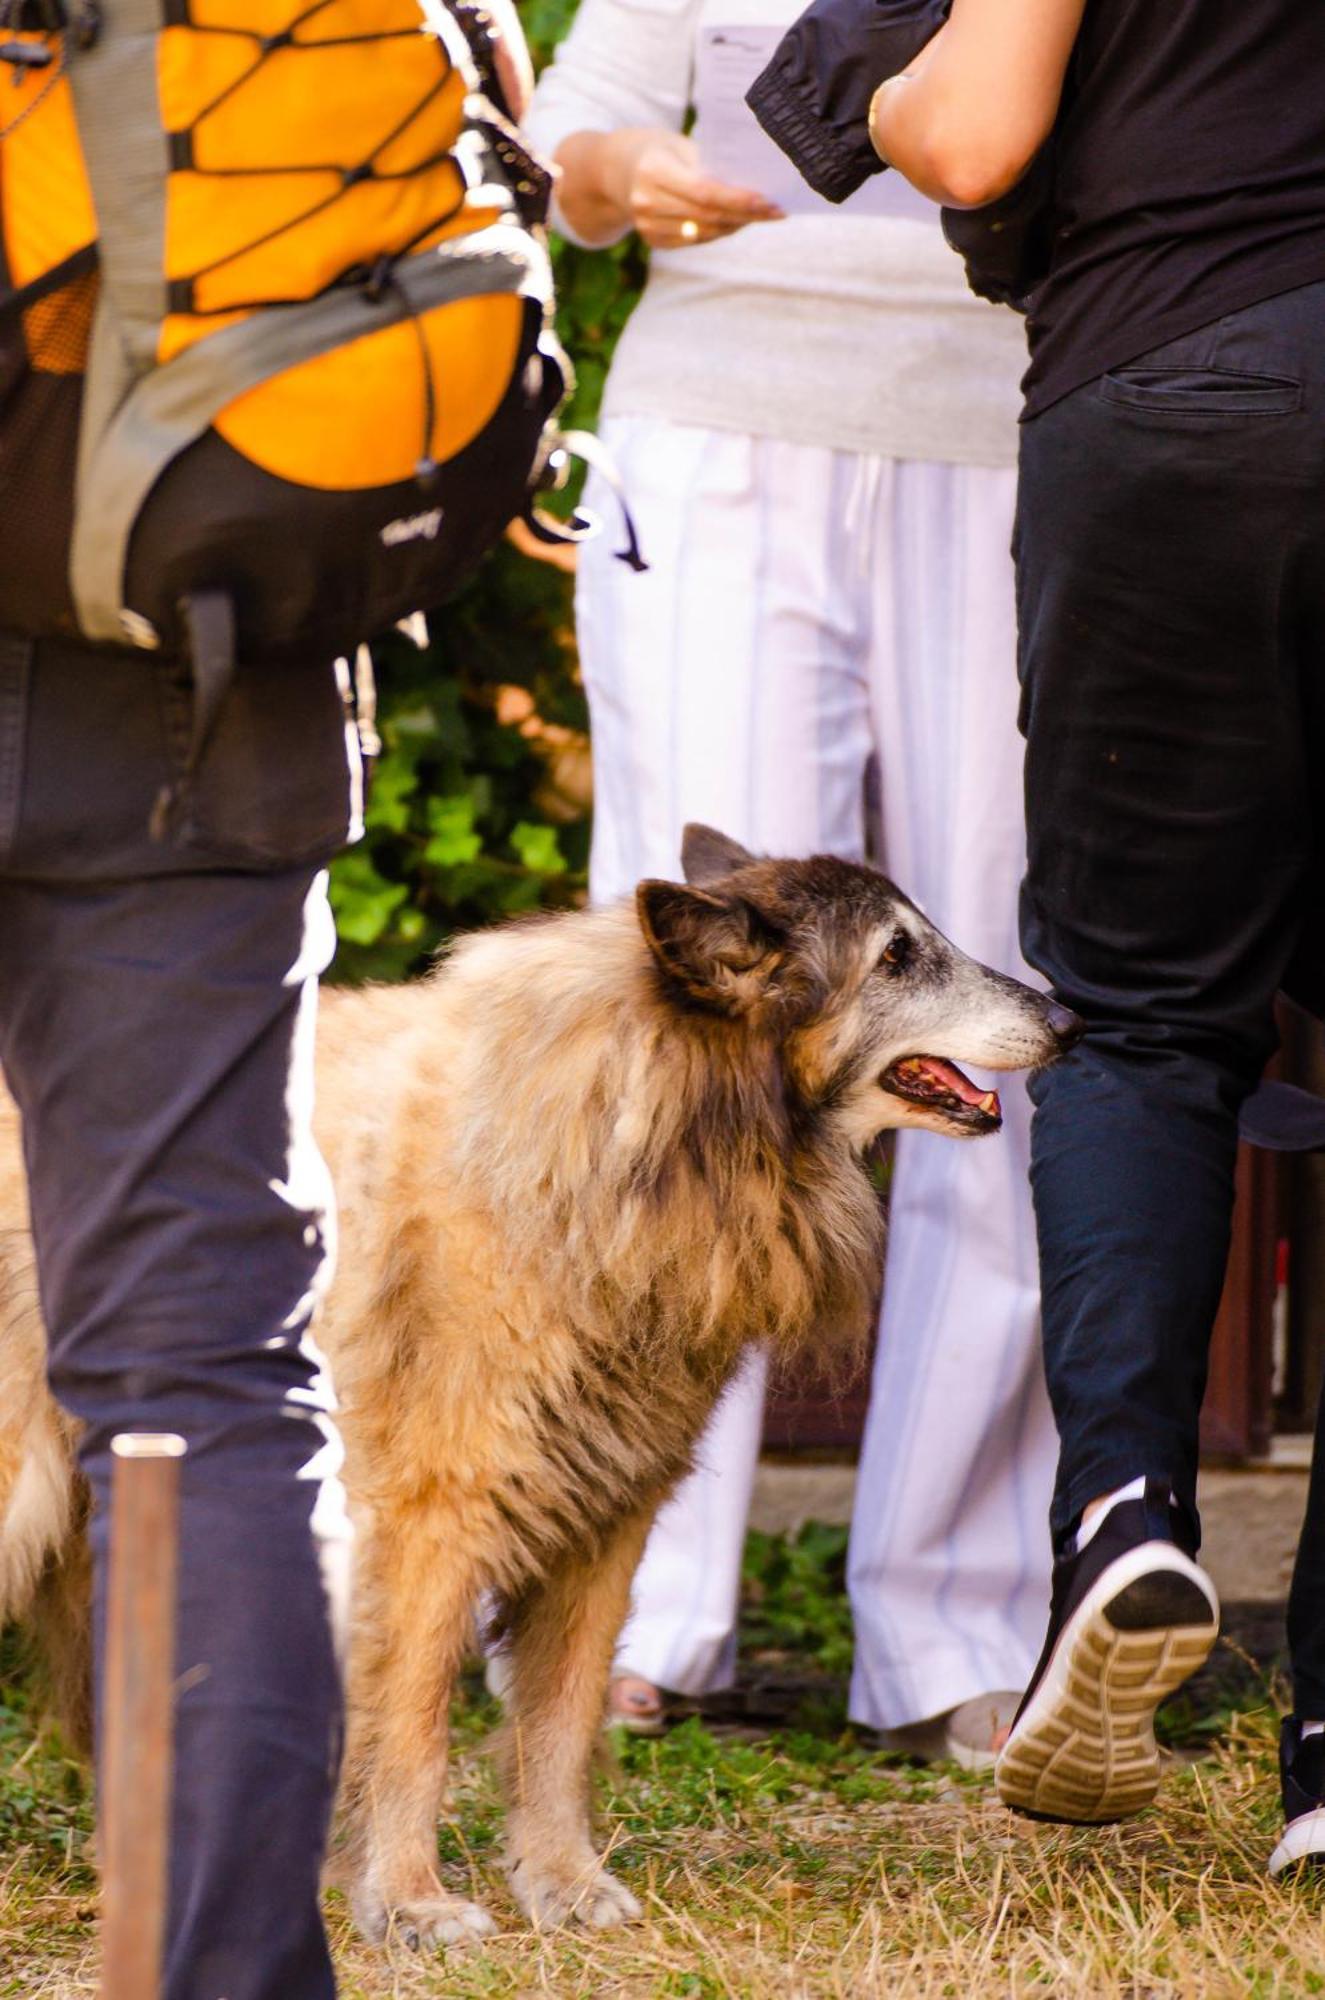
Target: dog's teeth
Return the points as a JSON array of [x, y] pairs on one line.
[[989, 1102]]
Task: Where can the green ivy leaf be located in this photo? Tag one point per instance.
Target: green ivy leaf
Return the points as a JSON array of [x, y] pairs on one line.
[[394, 784], [537, 847], [364, 910], [451, 827]]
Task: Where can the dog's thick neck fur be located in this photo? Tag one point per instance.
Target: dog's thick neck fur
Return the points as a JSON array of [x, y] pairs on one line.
[[598, 1100]]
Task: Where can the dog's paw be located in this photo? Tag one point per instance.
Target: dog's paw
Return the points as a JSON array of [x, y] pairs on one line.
[[425, 1923], [588, 1896], [443, 1920]]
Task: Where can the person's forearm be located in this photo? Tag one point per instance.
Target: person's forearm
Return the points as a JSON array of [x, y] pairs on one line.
[[597, 169], [967, 118]]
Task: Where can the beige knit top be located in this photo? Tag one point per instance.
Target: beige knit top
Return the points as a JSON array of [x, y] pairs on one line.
[[837, 328]]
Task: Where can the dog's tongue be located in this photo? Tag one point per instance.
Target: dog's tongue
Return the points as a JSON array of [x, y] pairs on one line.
[[948, 1077]]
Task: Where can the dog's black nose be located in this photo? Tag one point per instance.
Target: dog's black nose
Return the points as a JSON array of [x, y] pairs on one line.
[[1067, 1027]]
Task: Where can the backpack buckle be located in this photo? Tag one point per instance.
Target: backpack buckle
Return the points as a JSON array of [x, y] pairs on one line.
[[26, 55], [379, 279]]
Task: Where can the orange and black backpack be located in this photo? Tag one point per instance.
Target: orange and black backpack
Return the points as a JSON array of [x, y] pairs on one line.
[[276, 362]]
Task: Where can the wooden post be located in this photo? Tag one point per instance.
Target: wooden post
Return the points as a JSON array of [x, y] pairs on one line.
[[137, 1753], [1236, 1419]]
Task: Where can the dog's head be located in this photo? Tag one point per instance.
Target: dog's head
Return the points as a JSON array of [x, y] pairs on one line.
[[872, 1008]]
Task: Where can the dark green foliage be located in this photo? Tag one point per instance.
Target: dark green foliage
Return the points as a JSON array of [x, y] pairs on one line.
[[455, 833], [461, 830], [793, 1595]]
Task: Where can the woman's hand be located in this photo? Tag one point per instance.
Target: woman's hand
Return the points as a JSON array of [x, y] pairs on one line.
[[651, 180], [673, 202]]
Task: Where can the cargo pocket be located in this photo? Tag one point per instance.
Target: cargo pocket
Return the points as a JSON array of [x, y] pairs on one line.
[[279, 783]]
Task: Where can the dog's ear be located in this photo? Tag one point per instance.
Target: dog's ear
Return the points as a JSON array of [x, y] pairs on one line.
[[720, 950], [707, 855]]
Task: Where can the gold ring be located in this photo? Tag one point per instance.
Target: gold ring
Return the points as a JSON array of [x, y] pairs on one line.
[[690, 230]]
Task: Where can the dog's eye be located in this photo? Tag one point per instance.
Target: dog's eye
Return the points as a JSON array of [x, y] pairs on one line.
[[896, 951]]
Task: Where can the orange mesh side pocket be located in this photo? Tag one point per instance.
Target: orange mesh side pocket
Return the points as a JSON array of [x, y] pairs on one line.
[[58, 328], [379, 390]]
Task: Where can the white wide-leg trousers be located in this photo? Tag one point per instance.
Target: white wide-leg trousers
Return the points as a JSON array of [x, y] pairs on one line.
[[803, 608]]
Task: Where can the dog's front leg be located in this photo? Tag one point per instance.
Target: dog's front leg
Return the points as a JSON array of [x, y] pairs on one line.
[[563, 1632], [413, 1618]]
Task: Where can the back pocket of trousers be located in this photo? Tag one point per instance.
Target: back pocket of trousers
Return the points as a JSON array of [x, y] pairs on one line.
[[1201, 392]]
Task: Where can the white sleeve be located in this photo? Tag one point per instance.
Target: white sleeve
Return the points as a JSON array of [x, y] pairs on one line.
[[624, 62]]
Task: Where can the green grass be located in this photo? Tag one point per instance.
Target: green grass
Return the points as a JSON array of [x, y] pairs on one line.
[[47, 1886], [788, 1866]]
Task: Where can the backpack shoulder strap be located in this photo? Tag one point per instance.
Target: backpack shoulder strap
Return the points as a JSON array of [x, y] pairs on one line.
[[114, 86]]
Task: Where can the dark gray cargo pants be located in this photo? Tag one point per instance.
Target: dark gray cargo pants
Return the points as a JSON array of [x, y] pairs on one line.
[[155, 1028]]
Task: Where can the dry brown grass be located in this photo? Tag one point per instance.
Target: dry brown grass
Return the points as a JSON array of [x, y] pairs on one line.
[[810, 1872]]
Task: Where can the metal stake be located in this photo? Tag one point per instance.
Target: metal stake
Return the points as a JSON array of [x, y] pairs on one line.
[[137, 1753]]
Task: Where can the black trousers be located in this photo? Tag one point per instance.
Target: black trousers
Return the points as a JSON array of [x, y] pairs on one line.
[[1171, 580], [155, 1028]]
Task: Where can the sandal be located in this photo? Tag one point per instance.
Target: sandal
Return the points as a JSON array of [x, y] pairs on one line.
[[636, 1705]]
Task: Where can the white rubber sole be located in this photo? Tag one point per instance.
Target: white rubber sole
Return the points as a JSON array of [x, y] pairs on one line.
[[1084, 1748], [1304, 1840]]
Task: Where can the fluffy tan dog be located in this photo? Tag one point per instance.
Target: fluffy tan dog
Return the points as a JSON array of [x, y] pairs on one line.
[[580, 1169]]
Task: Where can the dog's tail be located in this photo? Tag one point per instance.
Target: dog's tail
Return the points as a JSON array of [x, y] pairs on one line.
[[36, 1511], [61, 1625], [45, 1569]]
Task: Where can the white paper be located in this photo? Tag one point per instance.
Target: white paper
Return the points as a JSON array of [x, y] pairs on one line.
[[735, 148]]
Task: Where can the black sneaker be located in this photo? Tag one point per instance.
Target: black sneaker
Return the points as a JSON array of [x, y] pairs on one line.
[[1302, 1775], [1132, 1616]]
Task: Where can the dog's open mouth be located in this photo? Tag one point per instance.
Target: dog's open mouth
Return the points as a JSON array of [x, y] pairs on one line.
[[940, 1086]]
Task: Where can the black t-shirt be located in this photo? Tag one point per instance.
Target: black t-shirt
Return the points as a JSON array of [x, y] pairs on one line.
[[1190, 178]]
